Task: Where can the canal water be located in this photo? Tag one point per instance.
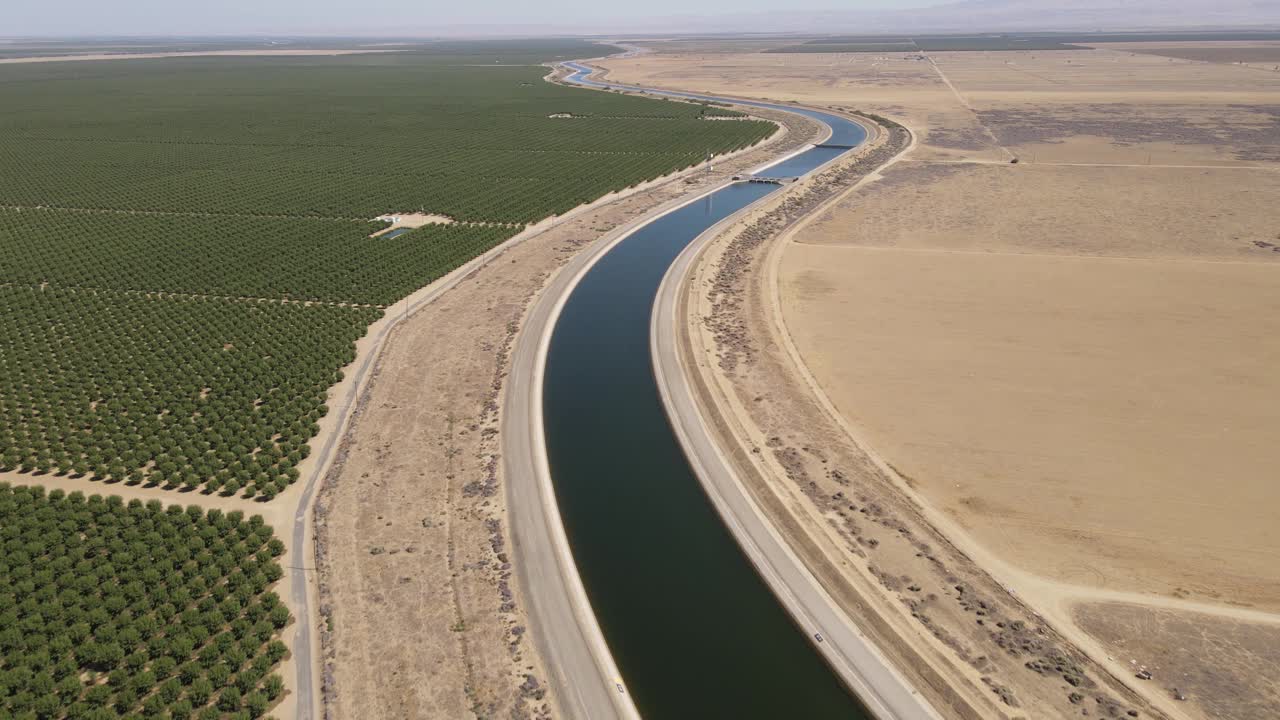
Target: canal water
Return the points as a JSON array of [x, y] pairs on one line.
[[695, 631]]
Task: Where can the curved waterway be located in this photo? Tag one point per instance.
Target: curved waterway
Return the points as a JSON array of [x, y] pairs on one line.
[[694, 629]]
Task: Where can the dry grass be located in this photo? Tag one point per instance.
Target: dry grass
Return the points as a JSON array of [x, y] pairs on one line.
[[956, 362], [1146, 212], [1116, 105], [1094, 420], [1222, 666]]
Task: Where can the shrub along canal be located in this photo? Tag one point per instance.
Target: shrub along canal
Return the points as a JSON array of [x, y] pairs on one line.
[[692, 626]]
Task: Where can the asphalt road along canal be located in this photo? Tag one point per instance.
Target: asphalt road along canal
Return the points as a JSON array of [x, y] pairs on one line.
[[694, 630]]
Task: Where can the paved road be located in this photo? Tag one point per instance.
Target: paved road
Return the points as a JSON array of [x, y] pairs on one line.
[[581, 668], [885, 693]]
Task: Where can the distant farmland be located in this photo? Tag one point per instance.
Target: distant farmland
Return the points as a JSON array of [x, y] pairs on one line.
[[1001, 41], [184, 243], [349, 137], [933, 43]]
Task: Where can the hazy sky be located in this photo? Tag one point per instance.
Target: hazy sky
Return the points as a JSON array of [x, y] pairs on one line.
[[415, 17]]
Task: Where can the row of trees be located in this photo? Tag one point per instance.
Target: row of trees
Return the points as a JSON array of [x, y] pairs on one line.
[[133, 388], [105, 372], [409, 103], [336, 141], [235, 257], [113, 609], [598, 154]]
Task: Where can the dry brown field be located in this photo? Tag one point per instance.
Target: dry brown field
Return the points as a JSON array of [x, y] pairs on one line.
[[1222, 661], [1262, 54], [1100, 421], [1108, 106], [1071, 361]]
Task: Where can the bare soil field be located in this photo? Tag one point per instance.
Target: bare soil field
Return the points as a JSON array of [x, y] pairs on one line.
[[1220, 662], [1169, 213], [421, 610], [1105, 106], [908, 91], [1094, 326], [1262, 54], [1098, 421]]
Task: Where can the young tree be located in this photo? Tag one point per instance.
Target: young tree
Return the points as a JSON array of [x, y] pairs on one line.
[[256, 703], [153, 707], [163, 667], [219, 674], [200, 691], [180, 710], [125, 700], [98, 695], [279, 616], [276, 651], [49, 706], [229, 700], [69, 688], [170, 691], [273, 686]]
